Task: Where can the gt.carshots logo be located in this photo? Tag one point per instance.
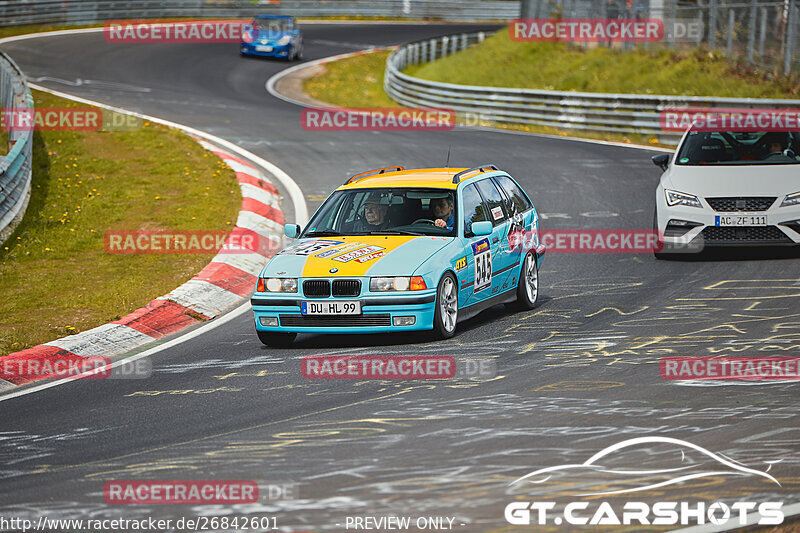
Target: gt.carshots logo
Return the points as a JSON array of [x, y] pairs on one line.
[[695, 463]]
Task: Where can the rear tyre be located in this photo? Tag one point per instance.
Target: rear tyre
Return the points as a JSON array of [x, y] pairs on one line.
[[528, 285], [276, 340], [445, 316]]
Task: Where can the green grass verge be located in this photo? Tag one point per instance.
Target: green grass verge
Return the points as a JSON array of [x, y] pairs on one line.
[[55, 276], [355, 81], [358, 82], [501, 62]]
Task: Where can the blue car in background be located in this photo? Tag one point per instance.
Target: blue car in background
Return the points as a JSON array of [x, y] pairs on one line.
[[272, 36]]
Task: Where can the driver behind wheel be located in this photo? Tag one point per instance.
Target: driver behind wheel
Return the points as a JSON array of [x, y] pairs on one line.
[[777, 144], [442, 209]]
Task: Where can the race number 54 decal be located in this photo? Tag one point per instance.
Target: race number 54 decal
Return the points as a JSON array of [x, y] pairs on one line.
[[483, 264]]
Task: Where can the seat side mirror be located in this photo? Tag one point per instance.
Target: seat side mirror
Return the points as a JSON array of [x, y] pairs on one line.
[[291, 230], [661, 160]]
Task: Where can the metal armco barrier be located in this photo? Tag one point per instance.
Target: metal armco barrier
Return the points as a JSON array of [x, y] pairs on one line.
[[15, 167], [13, 12], [598, 112]]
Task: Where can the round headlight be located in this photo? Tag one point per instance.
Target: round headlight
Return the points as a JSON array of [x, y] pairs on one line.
[[289, 285], [400, 284], [273, 285]]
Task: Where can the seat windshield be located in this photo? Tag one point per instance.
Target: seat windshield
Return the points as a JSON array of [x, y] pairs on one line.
[[386, 212], [740, 148]]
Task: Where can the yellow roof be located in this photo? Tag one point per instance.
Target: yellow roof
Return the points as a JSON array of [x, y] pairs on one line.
[[417, 177]]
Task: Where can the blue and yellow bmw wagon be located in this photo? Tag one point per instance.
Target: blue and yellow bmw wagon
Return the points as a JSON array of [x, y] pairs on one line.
[[397, 250]]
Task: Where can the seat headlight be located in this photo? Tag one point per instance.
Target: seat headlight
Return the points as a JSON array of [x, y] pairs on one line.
[[276, 285], [679, 198], [283, 41], [791, 199]]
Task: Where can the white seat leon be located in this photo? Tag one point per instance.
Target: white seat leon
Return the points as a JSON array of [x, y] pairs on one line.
[[729, 189]]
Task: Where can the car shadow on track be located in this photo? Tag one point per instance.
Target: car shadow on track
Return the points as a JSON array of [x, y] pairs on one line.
[[740, 253], [486, 318]]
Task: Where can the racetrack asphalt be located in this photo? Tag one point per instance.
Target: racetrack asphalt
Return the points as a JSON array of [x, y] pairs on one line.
[[578, 373]]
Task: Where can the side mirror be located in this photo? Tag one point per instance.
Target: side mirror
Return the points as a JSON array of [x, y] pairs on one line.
[[661, 160], [291, 230], [482, 228]]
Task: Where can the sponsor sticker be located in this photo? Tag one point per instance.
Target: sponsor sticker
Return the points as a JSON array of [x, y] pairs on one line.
[[349, 256], [309, 247], [461, 263], [497, 213], [483, 264], [370, 257], [339, 249]]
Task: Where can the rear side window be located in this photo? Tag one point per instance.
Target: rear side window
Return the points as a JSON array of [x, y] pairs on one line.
[[494, 200], [518, 202], [474, 210]]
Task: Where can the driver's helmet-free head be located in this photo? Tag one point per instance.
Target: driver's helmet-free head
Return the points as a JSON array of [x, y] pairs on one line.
[[376, 198], [776, 137]]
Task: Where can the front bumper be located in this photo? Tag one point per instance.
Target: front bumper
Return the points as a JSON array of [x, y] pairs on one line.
[[377, 313], [250, 49], [782, 226]]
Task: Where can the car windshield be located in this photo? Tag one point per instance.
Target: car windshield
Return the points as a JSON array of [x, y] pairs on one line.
[[272, 24], [385, 212], [740, 148]]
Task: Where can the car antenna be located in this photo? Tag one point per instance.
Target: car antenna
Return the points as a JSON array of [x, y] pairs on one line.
[[447, 165]]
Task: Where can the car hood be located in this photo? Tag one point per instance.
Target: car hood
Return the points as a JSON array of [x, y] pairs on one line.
[[735, 180], [373, 255]]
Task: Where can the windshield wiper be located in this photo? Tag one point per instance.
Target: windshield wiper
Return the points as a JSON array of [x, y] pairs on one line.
[[324, 233], [395, 232]]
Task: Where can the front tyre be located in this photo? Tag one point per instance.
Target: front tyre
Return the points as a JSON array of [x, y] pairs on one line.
[[528, 285], [446, 314], [276, 340]]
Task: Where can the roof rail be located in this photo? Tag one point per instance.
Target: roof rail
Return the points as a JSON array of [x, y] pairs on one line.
[[372, 172], [482, 168]]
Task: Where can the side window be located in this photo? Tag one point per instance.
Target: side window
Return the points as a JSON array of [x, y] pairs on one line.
[[474, 210], [494, 201], [518, 200]]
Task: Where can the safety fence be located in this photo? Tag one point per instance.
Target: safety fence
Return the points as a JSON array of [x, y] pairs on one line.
[[15, 12], [15, 166], [579, 111], [764, 33]]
